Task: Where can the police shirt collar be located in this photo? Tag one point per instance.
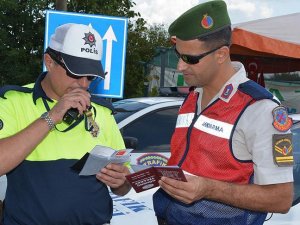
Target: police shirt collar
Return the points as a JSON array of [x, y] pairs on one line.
[[38, 91], [231, 86]]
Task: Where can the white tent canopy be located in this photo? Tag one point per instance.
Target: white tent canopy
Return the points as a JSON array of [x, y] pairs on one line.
[[285, 28], [274, 42]]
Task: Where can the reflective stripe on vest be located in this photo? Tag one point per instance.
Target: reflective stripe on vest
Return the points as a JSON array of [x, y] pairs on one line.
[[205, 124]]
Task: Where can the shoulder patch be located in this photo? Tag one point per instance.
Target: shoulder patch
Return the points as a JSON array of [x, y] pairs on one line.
[[283, 149], [255, 90], [281, 120], [103, 102], [1, 124], [7, 88]]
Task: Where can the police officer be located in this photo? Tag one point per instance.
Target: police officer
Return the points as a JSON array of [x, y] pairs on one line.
[[231, 136], [46, 127]]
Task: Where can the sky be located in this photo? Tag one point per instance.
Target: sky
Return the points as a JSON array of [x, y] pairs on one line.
[[166, 11]]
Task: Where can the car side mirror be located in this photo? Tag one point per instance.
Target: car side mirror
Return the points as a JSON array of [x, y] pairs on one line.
[[131, 142]]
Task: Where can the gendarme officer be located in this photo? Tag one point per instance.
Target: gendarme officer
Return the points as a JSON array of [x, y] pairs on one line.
[[231, 135]]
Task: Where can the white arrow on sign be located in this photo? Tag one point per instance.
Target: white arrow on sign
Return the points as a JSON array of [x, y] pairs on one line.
[[110, 37]]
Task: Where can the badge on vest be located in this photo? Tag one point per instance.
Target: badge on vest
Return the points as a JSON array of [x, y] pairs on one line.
[[1, 124], [281, 120], [283, 149], [92, 126], [227, 91]]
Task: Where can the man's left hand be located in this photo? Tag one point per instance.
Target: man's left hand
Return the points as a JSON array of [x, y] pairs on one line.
[[113, 175]]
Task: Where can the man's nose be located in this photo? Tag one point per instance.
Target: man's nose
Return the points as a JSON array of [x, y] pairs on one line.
[[181, 65], [84, 82]]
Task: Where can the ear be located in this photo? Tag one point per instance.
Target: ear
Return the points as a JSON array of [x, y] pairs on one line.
[[223, 54], [48, 62]]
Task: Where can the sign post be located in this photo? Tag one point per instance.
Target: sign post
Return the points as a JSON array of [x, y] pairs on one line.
[[113, 31]]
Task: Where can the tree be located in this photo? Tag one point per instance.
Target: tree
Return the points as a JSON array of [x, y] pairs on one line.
[[61, 5], [142, 44], [22, 36]]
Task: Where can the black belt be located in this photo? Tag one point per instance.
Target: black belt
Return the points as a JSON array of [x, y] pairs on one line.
[[161, 221]]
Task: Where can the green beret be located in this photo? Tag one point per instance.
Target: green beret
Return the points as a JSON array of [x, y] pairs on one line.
[[201, 20]]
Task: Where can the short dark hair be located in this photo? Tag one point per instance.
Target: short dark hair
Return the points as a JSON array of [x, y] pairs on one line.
[[217, 39]]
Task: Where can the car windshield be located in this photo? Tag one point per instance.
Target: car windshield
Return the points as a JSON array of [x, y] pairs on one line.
[[125, 108]]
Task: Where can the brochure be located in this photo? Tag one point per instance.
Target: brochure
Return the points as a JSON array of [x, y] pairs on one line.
[[100, 156], [146, 178]]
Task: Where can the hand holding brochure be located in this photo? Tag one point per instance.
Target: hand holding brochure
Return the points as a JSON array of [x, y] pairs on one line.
[[148, 178], [100, 156]]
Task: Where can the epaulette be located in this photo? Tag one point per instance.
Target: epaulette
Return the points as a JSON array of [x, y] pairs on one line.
[[256, 91], [7, 88], [103, 102]]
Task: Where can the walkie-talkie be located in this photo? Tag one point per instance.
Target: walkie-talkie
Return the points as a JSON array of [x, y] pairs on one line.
[[71, 115]]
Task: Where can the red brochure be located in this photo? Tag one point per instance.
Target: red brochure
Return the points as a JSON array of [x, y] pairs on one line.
[[148, 178]]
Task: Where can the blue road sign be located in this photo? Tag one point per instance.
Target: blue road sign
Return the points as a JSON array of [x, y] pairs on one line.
[[113, 31]]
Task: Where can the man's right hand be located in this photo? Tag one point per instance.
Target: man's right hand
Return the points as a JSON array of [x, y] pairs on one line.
[[77, 98]]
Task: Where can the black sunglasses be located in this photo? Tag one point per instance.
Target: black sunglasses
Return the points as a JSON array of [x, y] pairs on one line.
[[194, 59], [57, 58]]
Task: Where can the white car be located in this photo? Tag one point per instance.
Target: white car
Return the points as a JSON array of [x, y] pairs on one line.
[[147, 125]]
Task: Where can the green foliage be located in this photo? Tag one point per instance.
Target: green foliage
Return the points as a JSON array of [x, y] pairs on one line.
[[154, 92], [22, 37], [142, 42]]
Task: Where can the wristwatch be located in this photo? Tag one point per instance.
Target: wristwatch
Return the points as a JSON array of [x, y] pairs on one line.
[[48, 119]]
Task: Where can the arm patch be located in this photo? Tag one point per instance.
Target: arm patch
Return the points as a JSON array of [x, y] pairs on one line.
[[283, 149], [7, 88]]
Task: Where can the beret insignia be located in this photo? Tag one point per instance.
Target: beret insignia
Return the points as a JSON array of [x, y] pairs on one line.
[[207, 22]]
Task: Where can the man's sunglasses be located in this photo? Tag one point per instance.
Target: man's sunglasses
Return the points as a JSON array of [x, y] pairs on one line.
[[194, 59], [58, 59]]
